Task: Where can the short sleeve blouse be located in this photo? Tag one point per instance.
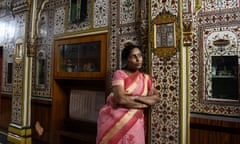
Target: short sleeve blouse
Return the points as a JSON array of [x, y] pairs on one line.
[[120, 75], [118, 78]]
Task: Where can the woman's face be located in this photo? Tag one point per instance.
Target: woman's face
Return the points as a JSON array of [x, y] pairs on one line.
[[134, 61]]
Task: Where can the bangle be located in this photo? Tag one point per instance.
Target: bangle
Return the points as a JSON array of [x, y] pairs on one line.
[[144, 105]]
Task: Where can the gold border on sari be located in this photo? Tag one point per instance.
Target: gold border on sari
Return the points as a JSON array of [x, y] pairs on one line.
[[118, 126]]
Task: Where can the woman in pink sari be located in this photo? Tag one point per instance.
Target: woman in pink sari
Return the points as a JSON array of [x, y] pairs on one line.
[[121, 120]]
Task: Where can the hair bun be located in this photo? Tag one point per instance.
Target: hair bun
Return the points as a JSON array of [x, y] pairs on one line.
[[128, 43]]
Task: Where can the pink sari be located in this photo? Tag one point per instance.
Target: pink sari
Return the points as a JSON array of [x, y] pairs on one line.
[[118, 125]]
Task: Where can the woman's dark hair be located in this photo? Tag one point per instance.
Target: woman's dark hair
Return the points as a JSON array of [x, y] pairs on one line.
[[128, 47]]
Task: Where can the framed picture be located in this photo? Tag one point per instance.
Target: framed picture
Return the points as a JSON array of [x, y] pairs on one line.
[[164, 35]]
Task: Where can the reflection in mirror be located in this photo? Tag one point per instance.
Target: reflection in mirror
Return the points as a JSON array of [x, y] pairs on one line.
[[78, 11], [165, 35], [41, 69]]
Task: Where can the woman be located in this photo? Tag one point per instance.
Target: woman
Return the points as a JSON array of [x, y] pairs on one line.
[[121, 120]]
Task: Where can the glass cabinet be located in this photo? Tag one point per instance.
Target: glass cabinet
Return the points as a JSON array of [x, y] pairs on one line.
[[78, 86], [225, 77], [82, 57]]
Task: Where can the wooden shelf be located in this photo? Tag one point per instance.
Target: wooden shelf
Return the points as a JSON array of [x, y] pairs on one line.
[[64, 126], [224, 76]]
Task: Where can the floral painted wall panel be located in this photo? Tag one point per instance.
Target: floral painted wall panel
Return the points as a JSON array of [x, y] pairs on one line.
[[100, 13], [12, 28], [165, 115], [18, 68], [123, 26], [41, 85], [215, 20], [54, 20], [59, 22], [158, 6], [97, 17], [7, 38], [213, 5]]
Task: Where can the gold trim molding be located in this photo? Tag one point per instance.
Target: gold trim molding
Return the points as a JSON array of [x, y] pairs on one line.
[[21, 131], [198, 5], [19, 135]]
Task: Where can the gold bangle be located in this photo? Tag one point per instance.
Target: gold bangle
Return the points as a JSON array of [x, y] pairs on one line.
[[145, 106]]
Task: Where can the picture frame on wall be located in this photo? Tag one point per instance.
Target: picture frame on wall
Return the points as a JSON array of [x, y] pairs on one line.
[[164, 35]]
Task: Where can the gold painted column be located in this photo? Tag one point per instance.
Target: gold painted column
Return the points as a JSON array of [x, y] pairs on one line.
[[185, 43], [19, 130]]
